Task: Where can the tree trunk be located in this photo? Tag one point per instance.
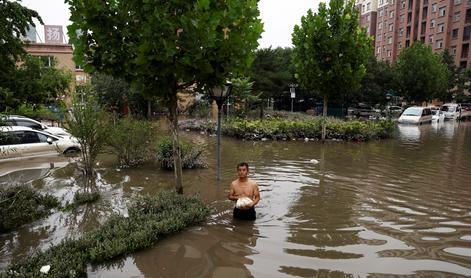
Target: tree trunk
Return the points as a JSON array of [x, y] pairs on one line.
[[177, 160], [149, 110], [261, 110], [324, 119]]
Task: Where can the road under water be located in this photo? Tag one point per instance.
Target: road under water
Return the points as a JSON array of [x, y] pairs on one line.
[[390, 208]]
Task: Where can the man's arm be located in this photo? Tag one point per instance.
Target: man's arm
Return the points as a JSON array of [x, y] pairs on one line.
[[256, 194], [232, 195]]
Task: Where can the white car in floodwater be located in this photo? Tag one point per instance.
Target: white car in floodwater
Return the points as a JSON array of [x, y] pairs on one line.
[[20, 142], [451, 110], [437, 115], [415, 115], [15, 120]]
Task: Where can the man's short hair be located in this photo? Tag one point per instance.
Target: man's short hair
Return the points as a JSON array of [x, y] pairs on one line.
[[243, 164]]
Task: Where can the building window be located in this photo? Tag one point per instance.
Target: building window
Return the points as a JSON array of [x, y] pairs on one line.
[[391, 27], [432, 23], [430, 38], [389, 40], [401, 18], [391, 14], [379, 37], [434, 8], [457, 2], [401, 31], [381, 2], [453, 50], [399, 46], [409, 17], [441, 28], [456, 16], [368, 18], [454, 33], [403, 4], [391, 2], [439, 44], [442, 11], [380, 25], [48, 61], [362, 8], [378, 49], [368, 5], [389, 53], [381, 12]]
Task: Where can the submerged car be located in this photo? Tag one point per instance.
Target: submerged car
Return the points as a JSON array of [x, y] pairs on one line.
[[14, 120], [437, 114], [19, 142], [415, 115], [451, 110]]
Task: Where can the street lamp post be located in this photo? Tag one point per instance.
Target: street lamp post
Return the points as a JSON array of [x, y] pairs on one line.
[[292, 90], [220, 95]]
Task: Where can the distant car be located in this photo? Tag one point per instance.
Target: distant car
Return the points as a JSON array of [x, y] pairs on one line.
[[363, 111], [415, 115], [392, 111], [437, 115], [19, 142], [451, 110], [465, 110], [15, 120]]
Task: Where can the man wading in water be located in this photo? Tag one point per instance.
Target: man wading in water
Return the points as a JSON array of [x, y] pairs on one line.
[[244, 187]]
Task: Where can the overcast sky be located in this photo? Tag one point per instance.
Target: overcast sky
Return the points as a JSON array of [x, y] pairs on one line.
[[279, 17]]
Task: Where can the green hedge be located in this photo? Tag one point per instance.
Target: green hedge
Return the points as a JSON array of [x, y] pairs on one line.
[[193, 156], [21, 204], [150, 219], [277, 129]]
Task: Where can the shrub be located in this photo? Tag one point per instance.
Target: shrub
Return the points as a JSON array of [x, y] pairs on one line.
[[130, 140], [151, 218], [277, 128], [192, 156], [81, 198], [21, 204]]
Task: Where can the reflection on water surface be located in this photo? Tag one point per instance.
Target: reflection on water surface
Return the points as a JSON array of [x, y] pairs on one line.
[[392, 208]]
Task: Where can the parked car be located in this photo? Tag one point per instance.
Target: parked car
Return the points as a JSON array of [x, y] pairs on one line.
[[451, 110], [15, 120], [437, 115], [392, 111], [20, 141], [363, 111], [465, 110], [415, 115]]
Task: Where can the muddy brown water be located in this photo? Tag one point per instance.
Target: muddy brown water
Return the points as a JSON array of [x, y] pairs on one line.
[[391, 208]]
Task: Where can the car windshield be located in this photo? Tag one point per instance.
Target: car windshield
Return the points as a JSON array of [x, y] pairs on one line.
[[434, 112], [412, 111], [448, 108]]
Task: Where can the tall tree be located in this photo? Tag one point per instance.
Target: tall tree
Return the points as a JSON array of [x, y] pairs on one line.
[[378, 80], [34, 82], [330, 51], [453, 73], [272, 71], [420, 73], [166, 46]]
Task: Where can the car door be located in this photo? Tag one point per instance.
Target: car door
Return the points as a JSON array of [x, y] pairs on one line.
[[34, 143], [9, 145]]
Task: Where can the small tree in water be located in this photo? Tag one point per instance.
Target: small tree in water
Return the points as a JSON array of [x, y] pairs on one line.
[[89, 126]]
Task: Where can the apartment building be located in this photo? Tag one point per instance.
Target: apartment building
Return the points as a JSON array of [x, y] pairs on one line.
[[438, 23]]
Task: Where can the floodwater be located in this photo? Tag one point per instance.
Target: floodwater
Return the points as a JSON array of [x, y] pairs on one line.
[[390, 208]]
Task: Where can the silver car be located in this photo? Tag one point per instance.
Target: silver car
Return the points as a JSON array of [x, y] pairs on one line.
[[18, 142]]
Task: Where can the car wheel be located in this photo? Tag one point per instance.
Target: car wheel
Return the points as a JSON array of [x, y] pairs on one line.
[[71, 151]]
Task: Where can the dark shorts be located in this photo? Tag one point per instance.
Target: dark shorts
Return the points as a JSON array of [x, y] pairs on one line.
[[245, 214]]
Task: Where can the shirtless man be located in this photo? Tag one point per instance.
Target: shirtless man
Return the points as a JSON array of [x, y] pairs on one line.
[[244, 187]]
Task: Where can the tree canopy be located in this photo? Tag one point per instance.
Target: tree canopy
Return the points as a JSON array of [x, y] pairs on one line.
[[421, 74], [331, 50], [166, 46], [378, 80]]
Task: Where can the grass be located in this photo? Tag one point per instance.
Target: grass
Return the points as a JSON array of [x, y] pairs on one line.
[[151, 218]]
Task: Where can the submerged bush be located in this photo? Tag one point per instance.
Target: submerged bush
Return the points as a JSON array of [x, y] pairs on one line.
[[131, 140], [150, 219], [21, 204], [82, 197], [285, 129], [192, 156]]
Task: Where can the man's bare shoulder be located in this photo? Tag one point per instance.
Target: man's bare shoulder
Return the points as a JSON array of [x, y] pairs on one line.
[[252, 183]]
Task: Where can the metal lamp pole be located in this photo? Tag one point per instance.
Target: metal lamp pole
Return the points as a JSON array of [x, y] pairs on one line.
[[292, 90], [220, 94]]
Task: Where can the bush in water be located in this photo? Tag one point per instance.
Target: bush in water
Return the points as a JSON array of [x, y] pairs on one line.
[[21, 204], [81, 198], [130, 140], [150, 219], [192, 156]]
